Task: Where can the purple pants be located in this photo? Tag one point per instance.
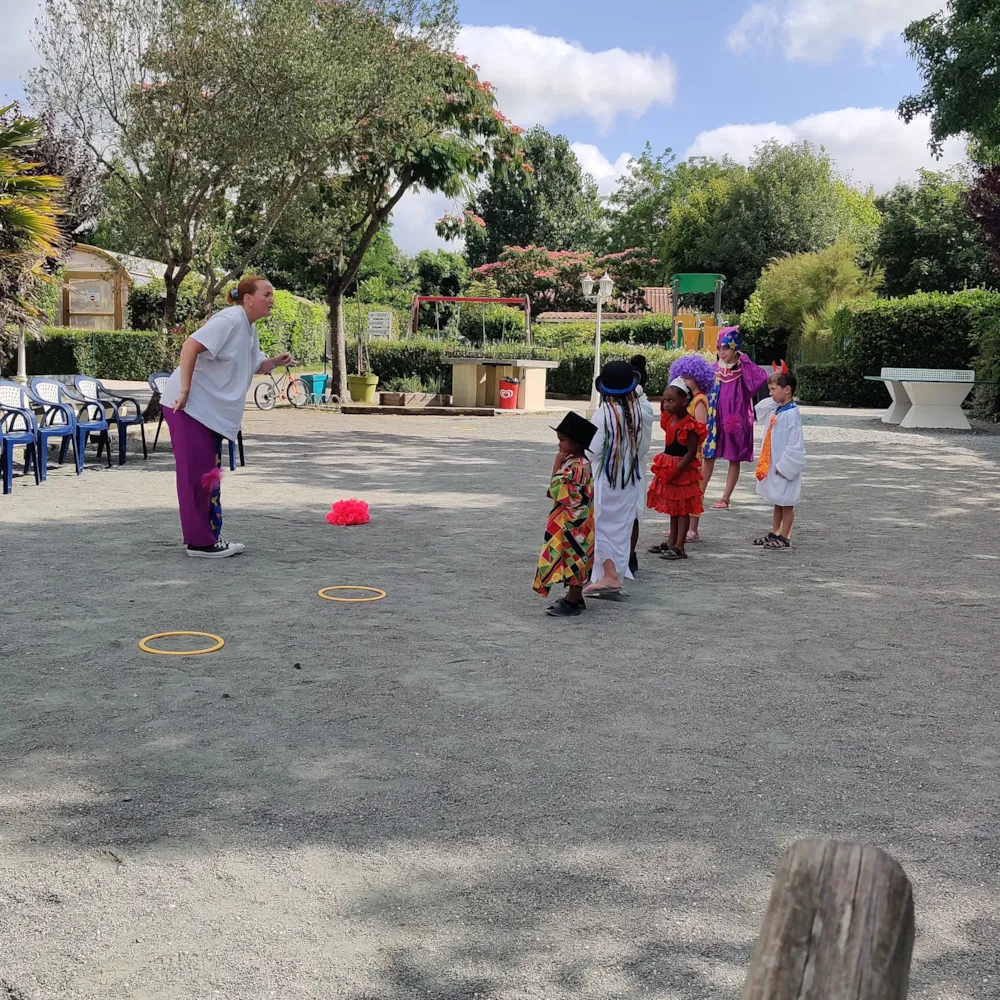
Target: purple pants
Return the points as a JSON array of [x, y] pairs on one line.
[[198, 458]]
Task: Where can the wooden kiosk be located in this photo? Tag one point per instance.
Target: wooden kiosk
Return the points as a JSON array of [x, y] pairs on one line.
[[476, 381]]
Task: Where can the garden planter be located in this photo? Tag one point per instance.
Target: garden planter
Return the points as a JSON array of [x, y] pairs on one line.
[[362, 387]]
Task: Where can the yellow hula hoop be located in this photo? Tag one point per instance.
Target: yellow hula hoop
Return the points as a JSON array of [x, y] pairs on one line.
[[146, 648], [380, 595]]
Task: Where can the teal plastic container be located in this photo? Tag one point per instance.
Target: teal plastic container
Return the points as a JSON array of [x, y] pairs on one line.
[[316, 384]]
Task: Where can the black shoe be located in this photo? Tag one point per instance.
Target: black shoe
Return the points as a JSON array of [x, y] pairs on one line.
[[633, 564], [564, 608]]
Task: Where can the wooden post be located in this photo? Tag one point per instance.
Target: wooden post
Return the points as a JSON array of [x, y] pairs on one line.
[[839, 926]]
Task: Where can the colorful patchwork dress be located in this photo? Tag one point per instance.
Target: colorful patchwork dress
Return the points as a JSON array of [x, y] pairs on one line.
[[730, 411], [568, 553]]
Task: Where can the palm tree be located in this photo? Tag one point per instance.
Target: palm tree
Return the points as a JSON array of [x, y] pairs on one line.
[[29, 231]]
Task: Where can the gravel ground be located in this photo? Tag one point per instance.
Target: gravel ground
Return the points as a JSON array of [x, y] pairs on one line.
[[445, 794]]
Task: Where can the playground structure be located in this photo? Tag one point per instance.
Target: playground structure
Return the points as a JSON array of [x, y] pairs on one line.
[[689, 330], [418, 300]]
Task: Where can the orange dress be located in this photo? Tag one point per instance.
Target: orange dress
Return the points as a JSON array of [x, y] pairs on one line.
[[699, 397], [681, 495]]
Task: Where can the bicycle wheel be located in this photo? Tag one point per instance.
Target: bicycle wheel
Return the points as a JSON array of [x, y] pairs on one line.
[[297, 393], [264, 396]]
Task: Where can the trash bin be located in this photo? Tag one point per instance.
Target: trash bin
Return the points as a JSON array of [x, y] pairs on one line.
[[316, 386], [508, 393]]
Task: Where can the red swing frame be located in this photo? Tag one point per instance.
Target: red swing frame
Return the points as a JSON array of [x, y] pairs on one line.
[[418, 300]]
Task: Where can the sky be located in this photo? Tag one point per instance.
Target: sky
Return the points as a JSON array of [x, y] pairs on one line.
[[704, 78]]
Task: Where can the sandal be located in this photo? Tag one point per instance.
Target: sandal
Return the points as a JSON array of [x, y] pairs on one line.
[[721, 505], [673, 553], [777, 542], [658, 549], [764, 539]]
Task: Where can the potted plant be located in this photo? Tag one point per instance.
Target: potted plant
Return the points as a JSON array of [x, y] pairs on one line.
[[362, 386]]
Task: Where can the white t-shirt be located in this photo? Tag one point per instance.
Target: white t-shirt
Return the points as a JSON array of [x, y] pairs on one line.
[[222, 374]]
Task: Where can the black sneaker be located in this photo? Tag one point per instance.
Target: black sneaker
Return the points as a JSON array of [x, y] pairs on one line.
[[220, 550], [564, 608]]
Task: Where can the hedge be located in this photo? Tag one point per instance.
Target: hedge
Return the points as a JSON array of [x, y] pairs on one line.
[[926, 330], [832, 383], [986, 400], [111, 354], [296, 325]]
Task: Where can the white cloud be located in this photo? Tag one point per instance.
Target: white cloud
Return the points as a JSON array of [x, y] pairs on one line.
[[815, 30], [413, 221], [869, 145], [595, 163], [540, 78]]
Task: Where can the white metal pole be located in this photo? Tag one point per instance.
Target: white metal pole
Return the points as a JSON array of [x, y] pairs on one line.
[[22, 360], [595, 398]]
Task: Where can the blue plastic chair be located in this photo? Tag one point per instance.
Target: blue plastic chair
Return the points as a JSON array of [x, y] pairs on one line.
[[90, 417], [158, 382], [125, 410], [18, 428], [56, 420]]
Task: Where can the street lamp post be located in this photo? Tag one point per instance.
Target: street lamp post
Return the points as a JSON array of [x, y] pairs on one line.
[[604, 289]]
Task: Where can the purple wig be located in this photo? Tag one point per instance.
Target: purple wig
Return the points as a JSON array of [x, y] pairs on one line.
[[696, 367]]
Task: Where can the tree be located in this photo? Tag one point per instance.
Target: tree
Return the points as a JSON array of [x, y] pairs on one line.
[[800, 293], [448, 133], [959, 60], [440, 272], [789, 200], [638, 212], [29, 226], [551, 278], [198, 111], [929, 240], [983, 201], [554, 204]]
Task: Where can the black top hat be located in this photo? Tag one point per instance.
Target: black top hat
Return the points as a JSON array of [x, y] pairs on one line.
[[577, 429], [617, 378]]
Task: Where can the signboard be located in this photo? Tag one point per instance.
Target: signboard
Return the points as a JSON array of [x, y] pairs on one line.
[[379, 325]]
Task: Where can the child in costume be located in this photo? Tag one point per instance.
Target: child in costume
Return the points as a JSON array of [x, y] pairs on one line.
[[638, 362], [782, 457], [731, 412], [568, 554], [699, 376], [619, 454], [676, 485]]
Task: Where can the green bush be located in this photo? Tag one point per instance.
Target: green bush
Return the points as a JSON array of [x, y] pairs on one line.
[[296, 325], [110, 354], [926, 330], [986, 399], [398, 362], [830, 383], [501, 322], [642, 329], [145, 304]]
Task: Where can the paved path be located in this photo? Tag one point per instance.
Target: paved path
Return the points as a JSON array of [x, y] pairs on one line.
[[446, 794]]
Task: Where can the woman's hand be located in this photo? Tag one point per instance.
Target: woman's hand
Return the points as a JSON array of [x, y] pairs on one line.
[[284, 359], [180, 402]]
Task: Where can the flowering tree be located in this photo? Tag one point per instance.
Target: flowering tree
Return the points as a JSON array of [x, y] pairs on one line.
[[551, 278]]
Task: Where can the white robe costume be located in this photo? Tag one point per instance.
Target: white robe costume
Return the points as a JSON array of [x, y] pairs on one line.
[[649, 421], [615, 509], [782, 486]]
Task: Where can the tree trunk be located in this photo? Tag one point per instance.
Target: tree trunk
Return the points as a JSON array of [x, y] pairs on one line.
[[336, 339], [172, 285], [839, 926]]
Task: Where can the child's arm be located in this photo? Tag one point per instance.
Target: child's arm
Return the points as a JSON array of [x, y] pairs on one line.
[[686, 460], [701, 412], [793, 457], [765, 408], [753, 375]]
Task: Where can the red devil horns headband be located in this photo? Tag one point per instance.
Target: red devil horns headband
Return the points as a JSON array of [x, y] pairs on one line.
[[783, 369]]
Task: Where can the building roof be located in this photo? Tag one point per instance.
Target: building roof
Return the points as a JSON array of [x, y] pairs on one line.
[[141, 270]]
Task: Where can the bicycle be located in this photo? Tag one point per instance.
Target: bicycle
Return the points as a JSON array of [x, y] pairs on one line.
[[287, 387]]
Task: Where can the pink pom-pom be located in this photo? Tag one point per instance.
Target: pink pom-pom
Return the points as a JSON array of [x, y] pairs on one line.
[[348, 512], [212, 479]]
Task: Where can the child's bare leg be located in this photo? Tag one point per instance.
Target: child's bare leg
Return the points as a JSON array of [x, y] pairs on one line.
[[674, 531], [635, 535], [574, 594], [732, 478], [787, 520], [776, 520], [692, 535], [682, 529]]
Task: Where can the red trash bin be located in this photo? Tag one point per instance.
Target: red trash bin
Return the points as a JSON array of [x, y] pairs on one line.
[[508, 393]]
